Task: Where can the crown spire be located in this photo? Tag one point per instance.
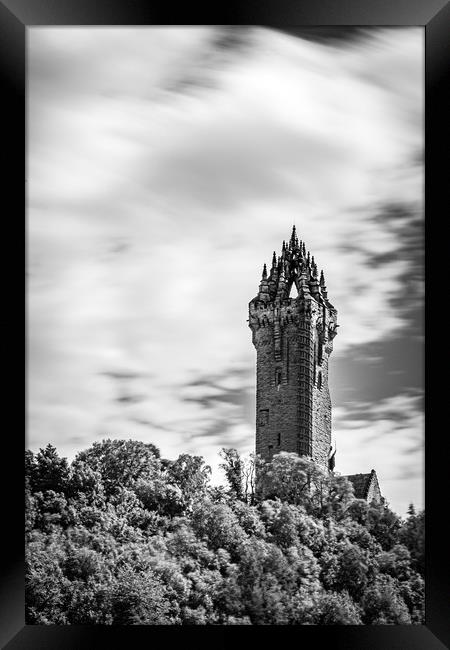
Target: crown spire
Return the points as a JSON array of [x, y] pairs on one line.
[[292, 242], [294, 263]]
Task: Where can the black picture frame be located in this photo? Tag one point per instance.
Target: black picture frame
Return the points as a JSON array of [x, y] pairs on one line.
[[15, 17]]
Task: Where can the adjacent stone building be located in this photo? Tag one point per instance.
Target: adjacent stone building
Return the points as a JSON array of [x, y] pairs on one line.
[[293, 325], [366, 486]]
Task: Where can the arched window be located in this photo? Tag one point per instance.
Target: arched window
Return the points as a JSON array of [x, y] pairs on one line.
[[293, 291], [278, 379]]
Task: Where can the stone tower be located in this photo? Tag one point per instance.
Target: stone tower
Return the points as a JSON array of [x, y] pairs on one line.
[[293, 326]]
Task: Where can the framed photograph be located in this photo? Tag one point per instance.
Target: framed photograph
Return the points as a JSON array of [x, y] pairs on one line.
[[225, 423]]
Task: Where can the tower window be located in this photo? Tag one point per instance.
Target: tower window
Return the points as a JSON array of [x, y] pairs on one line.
[[319, 380], [293, 291], [279, 439], [270, 450], [314, 362], [278, 379], [320, 354]]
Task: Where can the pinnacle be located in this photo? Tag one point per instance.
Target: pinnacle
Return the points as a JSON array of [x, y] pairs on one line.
[[293, 234], [294, 261]]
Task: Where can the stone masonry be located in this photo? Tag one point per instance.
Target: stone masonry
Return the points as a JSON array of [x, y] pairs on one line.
[[366, 486], [293, 337]]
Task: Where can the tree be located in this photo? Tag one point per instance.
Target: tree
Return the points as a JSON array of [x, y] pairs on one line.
[[46, 470], [233, 468], [338, 609], [357, 510], [338, 497], [249, 469], [352, 574], [396, 562], [300, 481], [383, 604], [413, 593], [383, 524], [287, 477], [45, 583], [191, 476], [157, 494], [129, 539], [138, 599], [412, 535], [86, 481], [121, 462], [219, 526], [282, 522]]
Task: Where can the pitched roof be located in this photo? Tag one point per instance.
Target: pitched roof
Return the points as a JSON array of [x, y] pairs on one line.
[[361, 484]]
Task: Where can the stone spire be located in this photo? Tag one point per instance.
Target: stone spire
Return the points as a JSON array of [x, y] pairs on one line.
[[292, 241], [264, 286], [274, 260], [295, 264], [323, 287]]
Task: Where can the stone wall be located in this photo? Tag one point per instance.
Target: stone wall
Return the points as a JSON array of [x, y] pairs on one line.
[[373, 492], [293, 406]]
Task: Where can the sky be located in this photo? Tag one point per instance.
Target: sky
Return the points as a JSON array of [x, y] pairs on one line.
[[164, 167]]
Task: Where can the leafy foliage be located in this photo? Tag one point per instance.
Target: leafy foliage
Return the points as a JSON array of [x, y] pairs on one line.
[[121, 536]]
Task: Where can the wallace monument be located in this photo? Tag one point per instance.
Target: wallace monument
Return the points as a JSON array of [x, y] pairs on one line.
[[293, 326]]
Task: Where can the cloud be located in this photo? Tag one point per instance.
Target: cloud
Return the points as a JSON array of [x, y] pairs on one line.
[[131, 399], [387, 435], [121, 375]]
